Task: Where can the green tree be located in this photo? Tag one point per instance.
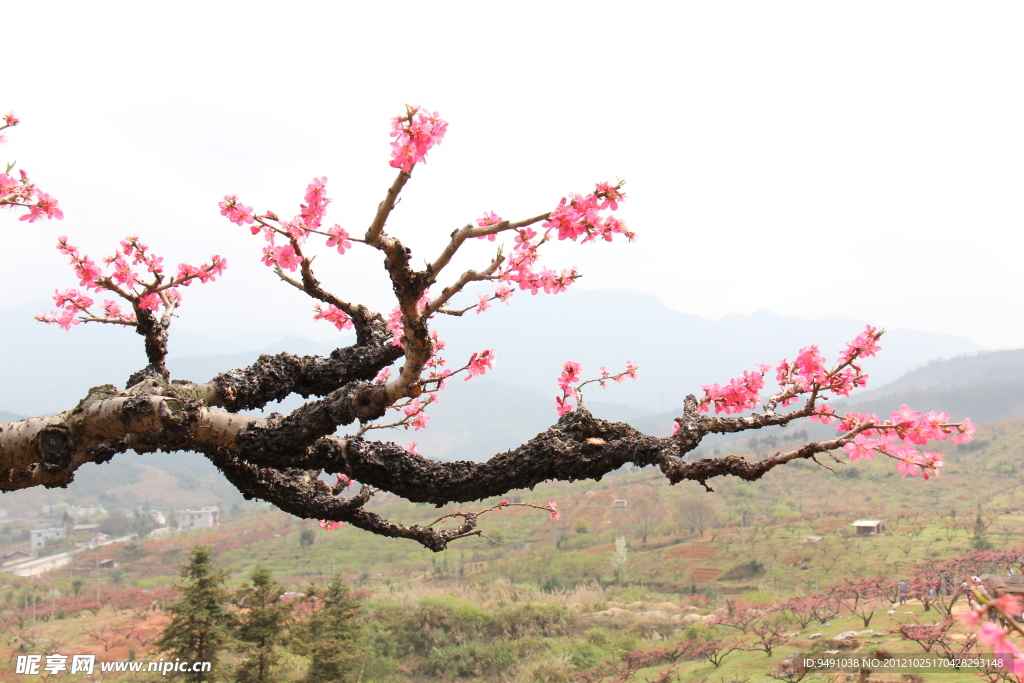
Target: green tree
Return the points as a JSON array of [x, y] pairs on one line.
[[261, 627], [333, 635], [979, 541], [306, 538], [201, 624]]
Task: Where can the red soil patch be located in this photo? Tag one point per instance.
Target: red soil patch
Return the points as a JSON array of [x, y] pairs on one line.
[[697, 551], [704, 576]]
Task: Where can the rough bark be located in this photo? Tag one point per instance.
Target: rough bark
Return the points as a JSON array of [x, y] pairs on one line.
[[278, 458]]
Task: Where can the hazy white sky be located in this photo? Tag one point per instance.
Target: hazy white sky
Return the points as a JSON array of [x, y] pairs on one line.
[[810, 158]]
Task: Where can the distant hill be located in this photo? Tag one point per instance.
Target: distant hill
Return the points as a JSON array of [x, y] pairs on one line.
[[987, 387]]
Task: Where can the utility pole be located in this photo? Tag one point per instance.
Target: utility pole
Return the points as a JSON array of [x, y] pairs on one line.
[[743, 530]]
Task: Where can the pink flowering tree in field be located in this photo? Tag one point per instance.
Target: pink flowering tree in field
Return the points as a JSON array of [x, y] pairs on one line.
[[391, 374]]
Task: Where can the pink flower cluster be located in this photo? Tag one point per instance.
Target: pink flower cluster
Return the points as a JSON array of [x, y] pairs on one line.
[[339, 238], [311, 213], [553, 507], [296, 231], [807, 374], [579, 215], [333, 314], [123, 279], [414, 410], [288, 256], [741, 393], [574, 217], [895, 438], [239, 214], [571, 373], [991, 635], [479, 363], [415, 133], [21, 191]]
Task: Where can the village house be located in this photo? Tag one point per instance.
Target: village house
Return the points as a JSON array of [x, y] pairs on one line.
[[869, 527], [39, 537], [190, 520]]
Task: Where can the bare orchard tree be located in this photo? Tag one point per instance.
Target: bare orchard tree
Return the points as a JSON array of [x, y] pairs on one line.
[[697, 516], [393, 369], [645, 513]]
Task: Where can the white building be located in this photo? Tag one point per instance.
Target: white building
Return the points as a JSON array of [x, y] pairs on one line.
[[39, 537], [190, 520], [869, 527], [77, 512]]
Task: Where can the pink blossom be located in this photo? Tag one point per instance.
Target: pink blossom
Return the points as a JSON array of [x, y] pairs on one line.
[[65, 320], [284, 256], [972, 617], [861, 448], [563, 405], [823, 414], [312, 212], [631, 370], [570, 373], [415, 410], [930, 464], [395, 325], [328, 525], [810, 366], [853, 419], [71, 300], [1009, 603], [485, 303], [339, 238], [479, 363], [150, 301], [412, 407], [553, 507], [415, 134], [235, 212], [964, 433], [905, 417], [610, 195], [994, 637], [489, 218], [907, 463], [863, 346], [742, 393], [333, 314], [411, 448], [45, 207]]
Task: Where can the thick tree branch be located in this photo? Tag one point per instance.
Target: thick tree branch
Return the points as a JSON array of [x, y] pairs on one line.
[[273, 378]]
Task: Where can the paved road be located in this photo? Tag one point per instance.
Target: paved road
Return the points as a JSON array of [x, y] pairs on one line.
[[45, 564]]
